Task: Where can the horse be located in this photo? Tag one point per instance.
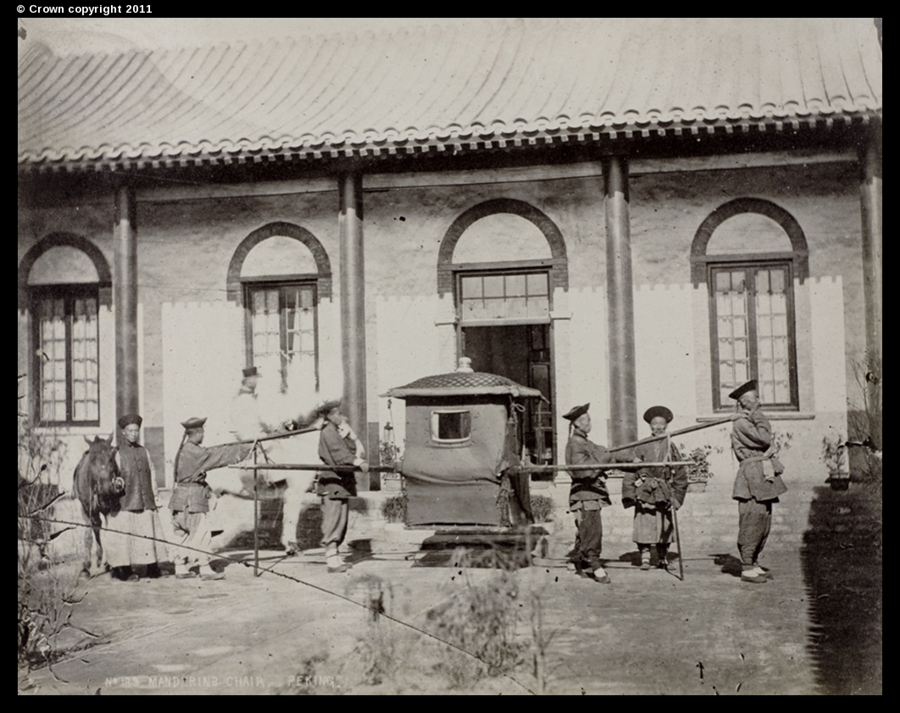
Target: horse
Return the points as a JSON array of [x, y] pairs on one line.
[[98, 485]]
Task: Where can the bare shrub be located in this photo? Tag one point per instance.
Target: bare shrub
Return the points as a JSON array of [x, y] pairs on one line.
[[481, 619], [45, 594]]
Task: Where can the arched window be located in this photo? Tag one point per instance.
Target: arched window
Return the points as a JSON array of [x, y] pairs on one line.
[[503, 309], [62, 281], [749, 252], [279, 273]]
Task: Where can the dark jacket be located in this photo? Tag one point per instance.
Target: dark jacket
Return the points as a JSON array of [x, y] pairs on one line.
[[587, 484], [659, 485], [191, 491], [134, 467], [336, 450], [751, 437]]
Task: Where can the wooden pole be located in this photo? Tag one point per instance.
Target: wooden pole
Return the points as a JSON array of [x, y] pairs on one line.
[[255, 518], [679, 432], [286, 434]]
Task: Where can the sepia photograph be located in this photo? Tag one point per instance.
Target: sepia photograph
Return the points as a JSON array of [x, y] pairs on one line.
[[466, 356]]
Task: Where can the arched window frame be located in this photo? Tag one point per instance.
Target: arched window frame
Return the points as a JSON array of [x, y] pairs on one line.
[[240, 289], [704, 269], [69, 295], [450, 276]]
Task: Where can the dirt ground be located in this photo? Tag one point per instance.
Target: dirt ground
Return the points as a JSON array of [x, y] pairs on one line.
[[815, 628]]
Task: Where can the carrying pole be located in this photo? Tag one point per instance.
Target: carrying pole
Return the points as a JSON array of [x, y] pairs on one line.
[[273, 436], [255, 517], [666, 457], [678, 542], [680, 431]]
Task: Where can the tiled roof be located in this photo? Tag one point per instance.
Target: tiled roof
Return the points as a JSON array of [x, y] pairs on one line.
[[458, 383], [491, 84]]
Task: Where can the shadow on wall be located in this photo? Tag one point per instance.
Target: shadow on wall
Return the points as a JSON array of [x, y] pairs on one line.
[[842, 561]]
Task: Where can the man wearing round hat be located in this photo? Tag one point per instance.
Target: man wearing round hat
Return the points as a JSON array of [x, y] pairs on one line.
[[758, 482], [588, 493], [135, 536], [190, 499], [654, 491], [338, 445]]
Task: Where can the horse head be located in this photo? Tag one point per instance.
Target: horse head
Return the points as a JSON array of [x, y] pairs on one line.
[[97, 476]]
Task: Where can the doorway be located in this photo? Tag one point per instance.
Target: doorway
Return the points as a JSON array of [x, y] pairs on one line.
[[520, 352]]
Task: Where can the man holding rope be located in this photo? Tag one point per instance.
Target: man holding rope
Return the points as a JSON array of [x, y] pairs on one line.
[[758, 482]]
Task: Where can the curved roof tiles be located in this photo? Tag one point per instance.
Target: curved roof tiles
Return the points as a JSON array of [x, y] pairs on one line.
[[430, 89], [459, 383]]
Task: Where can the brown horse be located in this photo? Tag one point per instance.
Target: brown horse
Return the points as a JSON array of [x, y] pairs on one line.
[[98, 486]]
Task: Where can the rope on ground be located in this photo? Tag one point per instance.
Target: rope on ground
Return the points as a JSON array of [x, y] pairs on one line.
[[219, 555]]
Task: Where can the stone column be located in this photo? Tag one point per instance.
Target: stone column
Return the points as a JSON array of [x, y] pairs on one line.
[[125, 300], [620, 300], [871, 211], [353, 311]]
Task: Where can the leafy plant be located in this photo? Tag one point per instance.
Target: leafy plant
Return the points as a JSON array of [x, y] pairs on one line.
[[700, 471], [393, 509], [834, 454], [541, 508]]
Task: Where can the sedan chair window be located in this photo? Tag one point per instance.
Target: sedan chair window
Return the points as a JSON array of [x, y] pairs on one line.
[[451, 426]]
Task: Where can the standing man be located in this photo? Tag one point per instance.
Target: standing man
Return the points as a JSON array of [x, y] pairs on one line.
[[758, 482], [139, 539], [588, 493], [338, 445], [190, 499], [653, 492]]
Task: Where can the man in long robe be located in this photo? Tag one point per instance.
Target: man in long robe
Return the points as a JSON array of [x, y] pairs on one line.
[[758, 483], [654, 491], [588, 493], [190, 499], [136, 536]]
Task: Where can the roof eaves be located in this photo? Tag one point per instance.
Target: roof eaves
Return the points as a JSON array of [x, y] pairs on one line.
[[454, 139]]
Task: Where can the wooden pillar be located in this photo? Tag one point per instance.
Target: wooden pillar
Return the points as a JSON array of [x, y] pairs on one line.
[[871, 211], [353, 311], [125, 301], [620, 300]]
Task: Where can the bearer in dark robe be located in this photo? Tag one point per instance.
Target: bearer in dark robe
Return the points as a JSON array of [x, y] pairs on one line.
[[338, 445], [758, 482], [588, 493], [654, 491]]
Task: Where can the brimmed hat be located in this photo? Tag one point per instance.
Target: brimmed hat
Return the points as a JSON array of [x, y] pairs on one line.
[[576, 412], [326, 406], [741, 390], [655, 411], [251, 371], [130, 418], [193, 423]]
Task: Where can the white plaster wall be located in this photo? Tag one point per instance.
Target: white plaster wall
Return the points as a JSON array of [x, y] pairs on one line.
[[409, 346], [664, 351], [204, 352], [588, 377]]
